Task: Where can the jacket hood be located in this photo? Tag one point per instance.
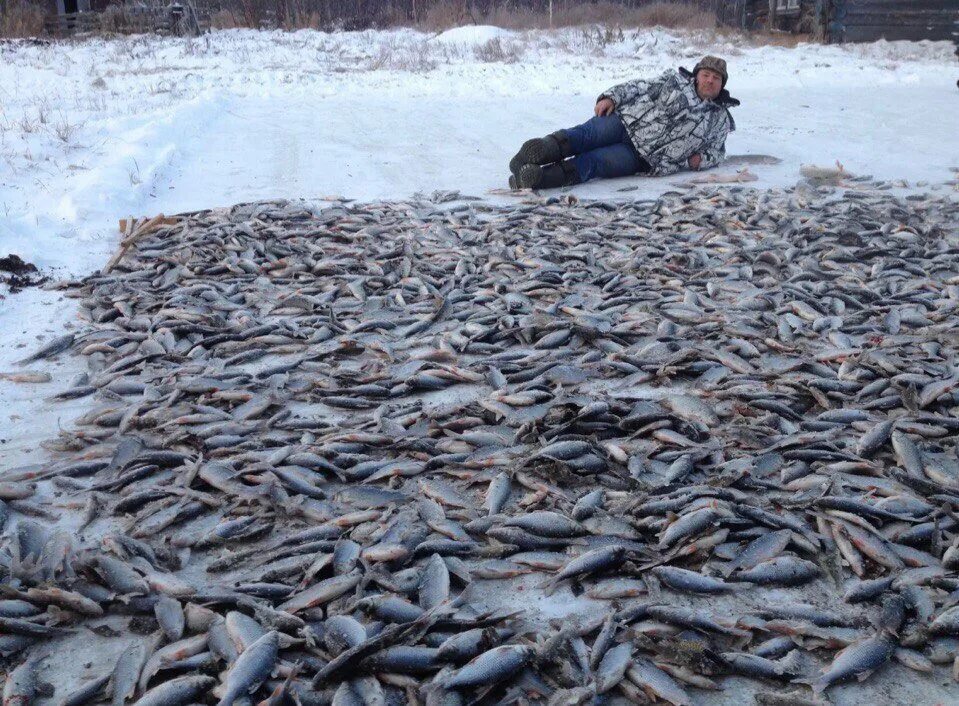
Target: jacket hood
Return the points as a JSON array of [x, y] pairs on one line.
[[723, 99]]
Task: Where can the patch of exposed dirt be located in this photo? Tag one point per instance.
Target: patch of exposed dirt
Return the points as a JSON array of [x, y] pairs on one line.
[[20, 274]]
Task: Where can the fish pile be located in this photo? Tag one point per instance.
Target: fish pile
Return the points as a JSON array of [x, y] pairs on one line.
[[441, 451]]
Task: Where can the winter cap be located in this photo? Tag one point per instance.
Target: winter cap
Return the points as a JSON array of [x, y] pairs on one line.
[[714, 63]]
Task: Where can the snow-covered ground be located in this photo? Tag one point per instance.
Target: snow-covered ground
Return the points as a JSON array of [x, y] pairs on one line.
[[95, 130], [92, 131]]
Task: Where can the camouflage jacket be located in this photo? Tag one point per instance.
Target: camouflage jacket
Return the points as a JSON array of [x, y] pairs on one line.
[[668, 122]]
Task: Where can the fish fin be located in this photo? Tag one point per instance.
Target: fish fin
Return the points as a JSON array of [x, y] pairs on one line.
[[548, 587]]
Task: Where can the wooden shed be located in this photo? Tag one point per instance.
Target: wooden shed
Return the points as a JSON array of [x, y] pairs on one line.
[[847, 20], [868, 20]]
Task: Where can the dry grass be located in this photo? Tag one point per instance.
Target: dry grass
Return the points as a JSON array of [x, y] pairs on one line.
[[763, 38], [112, 20], [674, 15], [778, 39], [446, 14], [22, 19], [64, 129], [393, 56], [498, 51]]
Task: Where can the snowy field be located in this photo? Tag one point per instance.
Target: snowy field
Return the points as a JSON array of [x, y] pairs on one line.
[[93, 131]]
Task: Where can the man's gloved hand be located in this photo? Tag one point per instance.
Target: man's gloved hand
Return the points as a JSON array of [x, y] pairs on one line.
[[604, 107], [695, 161]]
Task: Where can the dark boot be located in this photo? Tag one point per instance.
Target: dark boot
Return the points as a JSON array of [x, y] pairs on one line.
[[551, 176], [542, 150]]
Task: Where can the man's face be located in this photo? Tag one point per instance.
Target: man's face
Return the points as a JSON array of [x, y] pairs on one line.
[[708, 84]]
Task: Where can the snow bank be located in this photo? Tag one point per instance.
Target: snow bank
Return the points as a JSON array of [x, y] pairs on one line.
[[136, 161], [472, 35]]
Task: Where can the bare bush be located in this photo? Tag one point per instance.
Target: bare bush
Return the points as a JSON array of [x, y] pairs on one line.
[[444, 14], [27, 125], [601, 36], [496, 50], [112, 19], [225, 19], [395, 57], [674, 15], [64, 129]]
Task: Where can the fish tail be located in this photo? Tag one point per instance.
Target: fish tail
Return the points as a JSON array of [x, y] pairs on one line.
[[817, 684]]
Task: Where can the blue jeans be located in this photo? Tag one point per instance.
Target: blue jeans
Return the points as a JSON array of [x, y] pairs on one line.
[[603, 150]]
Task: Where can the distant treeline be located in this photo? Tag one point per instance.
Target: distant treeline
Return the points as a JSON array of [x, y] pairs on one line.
[[25, 18]]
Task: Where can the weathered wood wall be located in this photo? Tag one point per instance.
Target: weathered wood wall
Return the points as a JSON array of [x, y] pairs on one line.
[[743, 14], [851, 20], [867, 20]]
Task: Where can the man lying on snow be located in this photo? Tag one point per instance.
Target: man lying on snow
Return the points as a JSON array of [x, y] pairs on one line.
[[677, 121]]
